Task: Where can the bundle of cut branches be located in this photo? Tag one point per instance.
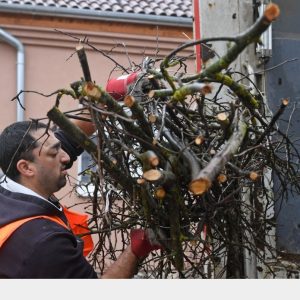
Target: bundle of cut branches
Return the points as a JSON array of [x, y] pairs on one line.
[[188, 156]]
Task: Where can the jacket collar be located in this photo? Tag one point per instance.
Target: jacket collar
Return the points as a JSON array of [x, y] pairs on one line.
[[15, 187]]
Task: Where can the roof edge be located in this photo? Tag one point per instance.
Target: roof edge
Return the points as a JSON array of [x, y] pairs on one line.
[[96, 15]]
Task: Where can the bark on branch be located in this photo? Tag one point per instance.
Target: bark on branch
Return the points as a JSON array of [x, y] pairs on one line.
[[204, 179], [75, 133]]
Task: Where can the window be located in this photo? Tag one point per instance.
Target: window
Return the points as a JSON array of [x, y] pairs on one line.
[[86, 165]]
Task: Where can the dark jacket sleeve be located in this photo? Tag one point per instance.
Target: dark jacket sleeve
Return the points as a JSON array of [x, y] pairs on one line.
[[69, 146], [56, 256]]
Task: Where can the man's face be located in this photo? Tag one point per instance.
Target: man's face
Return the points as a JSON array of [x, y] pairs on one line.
[[49, 164]]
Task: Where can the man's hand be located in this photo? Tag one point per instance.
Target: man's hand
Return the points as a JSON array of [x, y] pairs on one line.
[[143, 242]]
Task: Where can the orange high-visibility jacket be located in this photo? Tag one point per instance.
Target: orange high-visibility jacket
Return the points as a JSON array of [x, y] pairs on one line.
[[77, 223]]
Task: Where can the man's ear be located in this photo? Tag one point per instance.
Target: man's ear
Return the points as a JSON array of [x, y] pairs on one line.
[[25, 168]]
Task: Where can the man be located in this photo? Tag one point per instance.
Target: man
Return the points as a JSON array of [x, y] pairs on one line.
[[35, 166]]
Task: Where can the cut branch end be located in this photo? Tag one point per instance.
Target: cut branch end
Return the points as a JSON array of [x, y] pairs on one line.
[[91, 90], [199, 140], [151, 94], [152, 175], [160, 193], [207, 89], [152, 118], [129, 101], [222, 117], [140, 181], [285, 102], [222, 178], [272, 12], [253, 175], [200, 186]]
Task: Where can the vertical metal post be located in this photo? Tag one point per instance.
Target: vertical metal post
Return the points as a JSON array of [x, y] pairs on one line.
[[197, 32], [219, 18]]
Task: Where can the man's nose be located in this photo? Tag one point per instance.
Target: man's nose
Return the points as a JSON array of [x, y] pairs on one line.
[[65, 158]]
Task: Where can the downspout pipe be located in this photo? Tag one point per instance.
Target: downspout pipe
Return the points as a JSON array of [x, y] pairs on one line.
[[14, 42]]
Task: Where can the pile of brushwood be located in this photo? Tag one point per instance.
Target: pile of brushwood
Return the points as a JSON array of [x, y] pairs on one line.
[[190, 156]]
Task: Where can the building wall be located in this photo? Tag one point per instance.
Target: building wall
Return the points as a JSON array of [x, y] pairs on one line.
[[51, 62]]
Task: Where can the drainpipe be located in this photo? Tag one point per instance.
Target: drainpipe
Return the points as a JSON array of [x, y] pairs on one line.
[[11, 40]]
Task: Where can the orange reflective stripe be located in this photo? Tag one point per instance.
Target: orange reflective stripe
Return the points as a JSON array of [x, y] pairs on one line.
[[7, 230], [78, 223]]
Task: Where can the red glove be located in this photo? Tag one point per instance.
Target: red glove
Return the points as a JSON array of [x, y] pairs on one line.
[[143, 242], [119, 87]]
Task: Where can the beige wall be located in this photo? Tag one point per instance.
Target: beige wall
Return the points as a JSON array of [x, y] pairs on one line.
[[50, 63]]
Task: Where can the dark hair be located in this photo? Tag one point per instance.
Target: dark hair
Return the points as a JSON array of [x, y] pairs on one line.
[[16, 142]]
